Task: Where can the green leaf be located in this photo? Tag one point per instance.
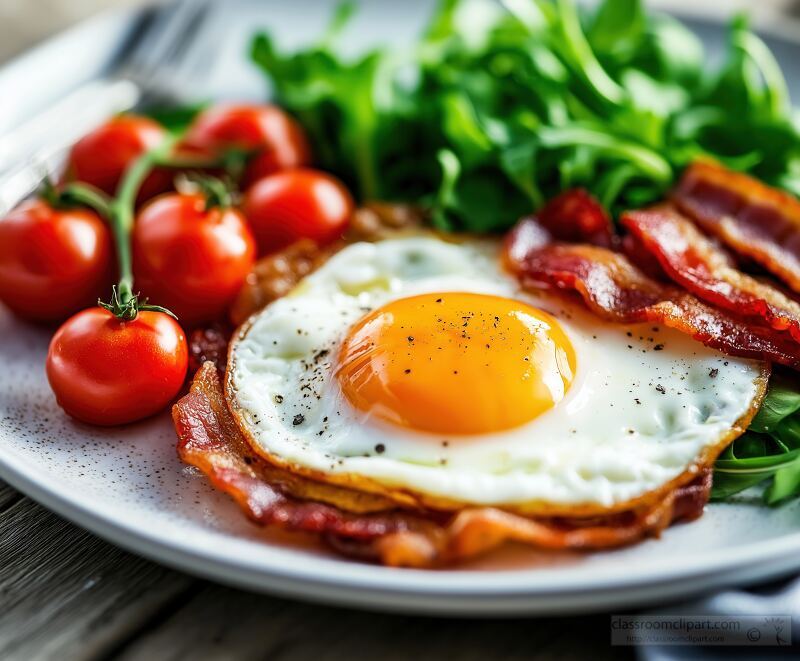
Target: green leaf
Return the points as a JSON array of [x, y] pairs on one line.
[[785, 484], [531, 96], [672, 52], [342, 15], [776, 91], [175, 119], [519, 163], [463, 129], [446, 195], [617, 28], [782, 400], [648, 162], [660, 98], [727, 485], [579, 52]]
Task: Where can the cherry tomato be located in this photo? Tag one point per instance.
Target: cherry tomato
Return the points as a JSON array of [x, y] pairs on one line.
[[297, 204], [105, 371], [277, 138], [190, 260], [53, 262], [101, 157]]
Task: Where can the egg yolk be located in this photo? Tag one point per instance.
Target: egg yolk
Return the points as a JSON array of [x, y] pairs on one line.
[[456, 363]]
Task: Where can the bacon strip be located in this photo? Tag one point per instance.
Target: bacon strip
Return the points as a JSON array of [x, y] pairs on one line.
[[696, 263], [210, 440], [617, 291], [642, 258], [753, 219]]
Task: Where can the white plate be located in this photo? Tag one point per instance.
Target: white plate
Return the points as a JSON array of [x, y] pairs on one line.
[[128, 486]]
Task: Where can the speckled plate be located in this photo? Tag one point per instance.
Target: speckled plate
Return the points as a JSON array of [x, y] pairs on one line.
[[128, 486]]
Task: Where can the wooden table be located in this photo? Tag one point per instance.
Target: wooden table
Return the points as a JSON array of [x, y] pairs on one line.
[[66, 594]]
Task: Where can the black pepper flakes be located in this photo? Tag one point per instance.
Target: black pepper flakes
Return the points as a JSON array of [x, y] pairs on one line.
[[661, 389], [299, 419], [380, 448], [658, 347], [713, 373], [278, 399]]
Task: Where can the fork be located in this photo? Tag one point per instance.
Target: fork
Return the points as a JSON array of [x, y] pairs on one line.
[[156, 69]]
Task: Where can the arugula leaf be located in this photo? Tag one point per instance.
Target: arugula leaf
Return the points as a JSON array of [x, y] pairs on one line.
[[532, 96], [769, 451], [671, 52], [785, 484], [617, 28], [782, 401]]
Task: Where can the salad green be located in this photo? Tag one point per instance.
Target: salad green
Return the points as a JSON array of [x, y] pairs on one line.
[[500, 105], [768, 451]]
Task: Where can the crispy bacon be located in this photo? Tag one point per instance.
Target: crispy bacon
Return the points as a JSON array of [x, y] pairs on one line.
[[617, 291], [696, 263], [370, 527], [641, 258], [751, 218]]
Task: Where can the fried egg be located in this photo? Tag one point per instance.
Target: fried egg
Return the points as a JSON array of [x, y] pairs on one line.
[[419, 369]]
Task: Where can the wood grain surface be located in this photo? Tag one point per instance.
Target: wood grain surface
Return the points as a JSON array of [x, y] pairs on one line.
[[65, 594]]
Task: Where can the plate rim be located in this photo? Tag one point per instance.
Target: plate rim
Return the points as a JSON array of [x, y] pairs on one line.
[[527, 591]]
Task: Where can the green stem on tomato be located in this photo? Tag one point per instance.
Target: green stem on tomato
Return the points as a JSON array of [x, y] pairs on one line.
[[88, 196], [190, 162], [233, 161], [122, 212], [216, 191]]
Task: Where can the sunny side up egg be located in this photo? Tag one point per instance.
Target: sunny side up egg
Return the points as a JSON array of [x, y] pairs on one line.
[[418, 369]]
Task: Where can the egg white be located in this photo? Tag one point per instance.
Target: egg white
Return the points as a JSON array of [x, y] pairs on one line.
[[646, 405]]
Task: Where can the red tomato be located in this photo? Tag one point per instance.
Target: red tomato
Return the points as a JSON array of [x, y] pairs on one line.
[[52, 262], [105, 371], [191, 261], [101, 157], [278, 139], [297, 204]]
